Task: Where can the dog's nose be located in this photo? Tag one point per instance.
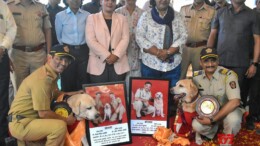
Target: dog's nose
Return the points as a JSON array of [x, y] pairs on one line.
[[97, 116]]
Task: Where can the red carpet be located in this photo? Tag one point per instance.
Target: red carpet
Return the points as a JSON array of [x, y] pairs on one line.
[[244, 138]]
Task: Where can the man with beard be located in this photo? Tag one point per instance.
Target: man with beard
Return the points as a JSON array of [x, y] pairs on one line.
[[198, 17], [223, 84], [235, 27]]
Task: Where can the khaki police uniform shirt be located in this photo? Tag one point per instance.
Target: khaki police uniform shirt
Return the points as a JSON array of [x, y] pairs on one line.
[[7, 26], [223, 85], [198, 22], [141, 93], [35, 93], [31, 22]]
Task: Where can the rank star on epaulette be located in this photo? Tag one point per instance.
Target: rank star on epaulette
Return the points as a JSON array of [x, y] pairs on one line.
[[66, 49]]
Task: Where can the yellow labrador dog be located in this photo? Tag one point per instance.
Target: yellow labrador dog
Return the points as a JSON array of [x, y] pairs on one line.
[[83, 107], [158, 104], [186, 92]]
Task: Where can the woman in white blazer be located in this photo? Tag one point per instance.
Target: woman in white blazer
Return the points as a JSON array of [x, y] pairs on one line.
[[107, 35]]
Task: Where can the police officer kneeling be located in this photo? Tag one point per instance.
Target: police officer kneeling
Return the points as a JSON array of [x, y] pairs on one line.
[[223, 84], [30, 117]]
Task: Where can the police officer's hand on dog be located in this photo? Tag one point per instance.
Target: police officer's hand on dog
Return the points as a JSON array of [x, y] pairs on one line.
[[70, 120]]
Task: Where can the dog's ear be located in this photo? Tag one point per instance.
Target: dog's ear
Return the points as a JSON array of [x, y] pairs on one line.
[[193, 89], [74, 103], [76, 107]]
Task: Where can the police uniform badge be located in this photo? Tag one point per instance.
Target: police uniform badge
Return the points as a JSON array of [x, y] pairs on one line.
[[233, 85], [209, 50]]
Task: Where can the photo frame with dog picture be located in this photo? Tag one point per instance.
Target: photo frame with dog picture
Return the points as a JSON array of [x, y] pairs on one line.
[[112, 127], [148, 105]]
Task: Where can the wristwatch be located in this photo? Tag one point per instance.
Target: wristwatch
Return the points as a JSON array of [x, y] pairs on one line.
[[212, 122], [255, 64]]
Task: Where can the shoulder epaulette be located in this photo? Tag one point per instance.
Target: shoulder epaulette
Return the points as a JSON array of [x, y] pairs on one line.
[[224, 71], [196, 73]]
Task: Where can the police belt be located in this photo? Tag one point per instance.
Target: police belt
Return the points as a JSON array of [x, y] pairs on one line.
[[76, 47], [196, 44], [29, 49], [12, 118]]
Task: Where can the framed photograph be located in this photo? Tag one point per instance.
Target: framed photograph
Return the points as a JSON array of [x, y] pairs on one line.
[[149, 105], [113, 126]]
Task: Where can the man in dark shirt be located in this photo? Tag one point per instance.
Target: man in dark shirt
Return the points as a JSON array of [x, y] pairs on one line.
[[92, 7], [53, 8], [254, 90], [236, 26]]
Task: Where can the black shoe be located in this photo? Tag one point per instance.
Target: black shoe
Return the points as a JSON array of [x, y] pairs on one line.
[[138, 117], [250, 125], [119, 121]]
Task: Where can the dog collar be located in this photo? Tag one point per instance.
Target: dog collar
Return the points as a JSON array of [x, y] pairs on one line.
[[194, 99]]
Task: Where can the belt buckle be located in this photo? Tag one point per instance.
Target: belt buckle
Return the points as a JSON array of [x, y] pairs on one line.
[[28, 49]]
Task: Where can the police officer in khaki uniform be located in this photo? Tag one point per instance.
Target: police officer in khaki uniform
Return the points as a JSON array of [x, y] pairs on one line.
[[30, 117], [141, 103], [33, 36], [198, 18], [223, 84]]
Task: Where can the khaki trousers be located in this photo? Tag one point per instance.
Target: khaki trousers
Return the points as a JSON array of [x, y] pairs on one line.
[[231, 124], [190, 56], [24, 64], [52, 130]]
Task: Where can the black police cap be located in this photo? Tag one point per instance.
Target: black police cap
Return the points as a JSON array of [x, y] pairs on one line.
[[208, 53], [61, 50]]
